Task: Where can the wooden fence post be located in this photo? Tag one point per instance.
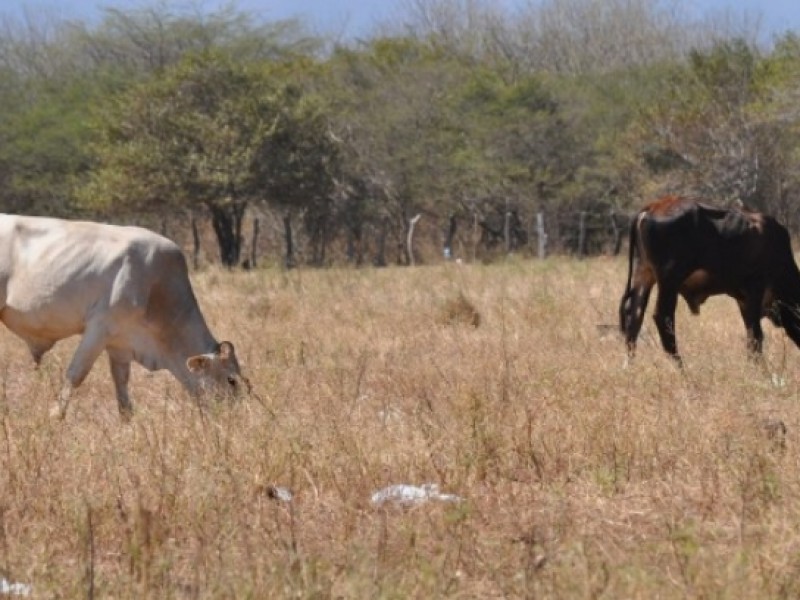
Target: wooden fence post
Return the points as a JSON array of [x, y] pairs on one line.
[[254, 244], [383, 232], [541, 235], [507, 231], [412, 222], [287, 233], [476, 239], [451, 235], [617, 233], [196, 239]]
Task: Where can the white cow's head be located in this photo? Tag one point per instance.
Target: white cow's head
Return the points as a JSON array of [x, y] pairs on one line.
[[218, 372]]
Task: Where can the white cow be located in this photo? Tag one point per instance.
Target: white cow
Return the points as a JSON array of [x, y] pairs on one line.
[[126, 289]]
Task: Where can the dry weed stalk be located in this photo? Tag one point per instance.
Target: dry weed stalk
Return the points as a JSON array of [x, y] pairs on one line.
[[460, 311]]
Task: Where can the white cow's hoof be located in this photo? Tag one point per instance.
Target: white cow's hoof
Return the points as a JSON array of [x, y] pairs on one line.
[[58, 412]]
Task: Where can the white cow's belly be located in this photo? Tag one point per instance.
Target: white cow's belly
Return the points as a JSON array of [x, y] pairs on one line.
[[44, 323], [53, 308]]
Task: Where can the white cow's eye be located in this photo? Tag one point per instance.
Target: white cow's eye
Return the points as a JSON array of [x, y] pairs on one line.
[[232, 381]]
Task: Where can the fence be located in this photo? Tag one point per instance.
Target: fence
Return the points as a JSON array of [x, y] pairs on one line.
[[581, 233], [426, 239]]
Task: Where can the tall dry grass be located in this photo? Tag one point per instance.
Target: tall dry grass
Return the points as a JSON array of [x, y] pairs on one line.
[[580, 479]]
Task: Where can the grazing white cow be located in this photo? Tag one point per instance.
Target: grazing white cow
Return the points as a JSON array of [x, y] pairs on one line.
[[125, 289]]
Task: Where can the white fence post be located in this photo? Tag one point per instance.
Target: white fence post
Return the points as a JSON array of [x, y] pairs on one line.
[[541, 235]]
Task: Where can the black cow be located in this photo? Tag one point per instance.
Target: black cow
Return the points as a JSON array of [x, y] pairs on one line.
[[696, 250]]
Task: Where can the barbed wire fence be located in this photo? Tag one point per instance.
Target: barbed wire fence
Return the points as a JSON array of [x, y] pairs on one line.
[[580, 233], [576, 233]]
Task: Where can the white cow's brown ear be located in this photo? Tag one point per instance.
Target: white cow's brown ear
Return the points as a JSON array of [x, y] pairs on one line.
[[225, 350], [198, 364]]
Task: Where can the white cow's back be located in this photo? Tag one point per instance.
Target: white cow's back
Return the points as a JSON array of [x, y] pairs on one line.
[[54, 274]]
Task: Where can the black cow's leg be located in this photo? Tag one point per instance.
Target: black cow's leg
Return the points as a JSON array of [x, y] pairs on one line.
[[751, 315], [632, 309], [665, 320]]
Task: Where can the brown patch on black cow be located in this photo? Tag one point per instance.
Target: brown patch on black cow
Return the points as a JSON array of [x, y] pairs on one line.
[[665, 206]]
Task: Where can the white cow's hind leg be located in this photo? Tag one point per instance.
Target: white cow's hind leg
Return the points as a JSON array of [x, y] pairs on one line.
[[90, 347], [121, 374]]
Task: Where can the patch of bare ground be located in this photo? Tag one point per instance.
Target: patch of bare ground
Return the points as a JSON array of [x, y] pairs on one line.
[[578, 477]]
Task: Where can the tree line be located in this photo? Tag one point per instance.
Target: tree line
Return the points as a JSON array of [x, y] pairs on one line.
[[456, 113]]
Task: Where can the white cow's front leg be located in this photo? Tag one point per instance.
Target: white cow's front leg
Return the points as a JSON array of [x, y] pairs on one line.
[[90, 347], [59, 410]]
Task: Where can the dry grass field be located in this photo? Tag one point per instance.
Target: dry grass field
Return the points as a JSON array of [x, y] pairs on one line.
[[502, 384]]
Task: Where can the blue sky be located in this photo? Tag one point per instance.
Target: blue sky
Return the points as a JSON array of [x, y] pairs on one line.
[[357, 16]]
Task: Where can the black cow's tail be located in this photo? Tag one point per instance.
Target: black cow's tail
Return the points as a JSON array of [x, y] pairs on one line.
[[789, 315], [788, 305], [632, 247], [786, 311]]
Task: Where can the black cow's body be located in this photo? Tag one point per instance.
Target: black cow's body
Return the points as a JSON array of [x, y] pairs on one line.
[[697, 251]]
